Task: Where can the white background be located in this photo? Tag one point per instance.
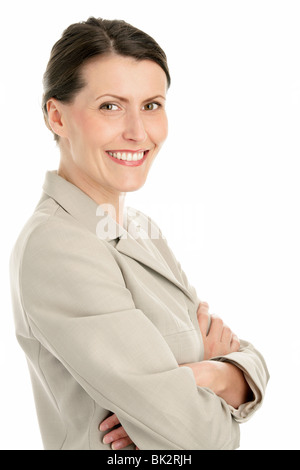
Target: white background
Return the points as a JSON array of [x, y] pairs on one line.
[[230, 166]]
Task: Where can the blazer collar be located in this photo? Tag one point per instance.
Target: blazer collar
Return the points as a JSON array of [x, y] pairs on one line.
[[133, 239], [80, 206]]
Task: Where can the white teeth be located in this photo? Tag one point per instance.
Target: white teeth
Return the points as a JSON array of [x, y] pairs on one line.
[[128, 156]]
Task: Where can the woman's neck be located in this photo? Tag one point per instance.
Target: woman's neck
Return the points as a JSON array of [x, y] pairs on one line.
[[112, 202]]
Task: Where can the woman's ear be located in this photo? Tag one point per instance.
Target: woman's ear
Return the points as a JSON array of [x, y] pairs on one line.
[[54, 110]]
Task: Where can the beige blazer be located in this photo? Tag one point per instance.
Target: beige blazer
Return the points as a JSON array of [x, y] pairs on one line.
[[104, 315]]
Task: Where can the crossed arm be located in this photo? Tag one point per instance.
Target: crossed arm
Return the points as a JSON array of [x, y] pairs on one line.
[[223, 378]]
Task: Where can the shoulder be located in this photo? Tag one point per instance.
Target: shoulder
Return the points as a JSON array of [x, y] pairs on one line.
[[52, 239], [40, 217], [48, 225]]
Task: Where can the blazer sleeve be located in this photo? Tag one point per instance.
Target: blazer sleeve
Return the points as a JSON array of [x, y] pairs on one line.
[[248, 358], [78, 307]]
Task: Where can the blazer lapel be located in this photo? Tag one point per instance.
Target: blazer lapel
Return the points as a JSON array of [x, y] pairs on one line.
[[143, 252], [132, 241]]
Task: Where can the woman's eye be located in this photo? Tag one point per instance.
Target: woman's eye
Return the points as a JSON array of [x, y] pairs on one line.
[[151, 106], [109, 107]]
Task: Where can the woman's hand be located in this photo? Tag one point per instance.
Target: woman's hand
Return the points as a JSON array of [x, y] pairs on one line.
[[224, 379], [118, 438], [218, 339]]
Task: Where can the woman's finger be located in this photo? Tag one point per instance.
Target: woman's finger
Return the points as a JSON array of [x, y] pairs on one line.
[[216, 327], [235, 343], [109, 423], [115, 435], [226, 335], [203, 322], [203, 307], [121, 443]]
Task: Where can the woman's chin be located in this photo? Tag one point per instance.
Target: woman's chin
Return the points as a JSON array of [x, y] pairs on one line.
[[131, 186], [131, 189]]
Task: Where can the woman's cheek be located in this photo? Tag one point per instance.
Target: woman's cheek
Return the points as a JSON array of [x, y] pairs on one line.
[[163, 129]]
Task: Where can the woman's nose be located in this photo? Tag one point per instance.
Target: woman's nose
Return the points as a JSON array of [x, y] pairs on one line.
[[134, 127]]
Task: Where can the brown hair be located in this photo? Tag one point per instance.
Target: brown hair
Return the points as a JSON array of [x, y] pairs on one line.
[[81, 41]]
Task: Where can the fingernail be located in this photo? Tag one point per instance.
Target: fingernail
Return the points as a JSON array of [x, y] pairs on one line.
[[103, 427], [115, 446], [107, 439]]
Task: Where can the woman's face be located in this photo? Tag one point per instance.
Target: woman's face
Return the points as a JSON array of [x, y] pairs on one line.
[[116, 124]]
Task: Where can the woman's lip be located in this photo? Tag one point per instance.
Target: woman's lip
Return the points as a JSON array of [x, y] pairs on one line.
[[125, 162], [127, 151]]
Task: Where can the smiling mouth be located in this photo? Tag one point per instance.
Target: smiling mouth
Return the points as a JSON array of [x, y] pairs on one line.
[[127, 157]]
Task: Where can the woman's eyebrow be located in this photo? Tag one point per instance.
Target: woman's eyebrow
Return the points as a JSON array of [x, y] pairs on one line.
[[126, 100]]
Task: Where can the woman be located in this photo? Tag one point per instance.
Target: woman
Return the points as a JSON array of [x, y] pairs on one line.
[[112, 330]]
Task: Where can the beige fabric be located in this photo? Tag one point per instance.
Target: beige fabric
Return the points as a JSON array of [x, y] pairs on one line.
[[104, 315]]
